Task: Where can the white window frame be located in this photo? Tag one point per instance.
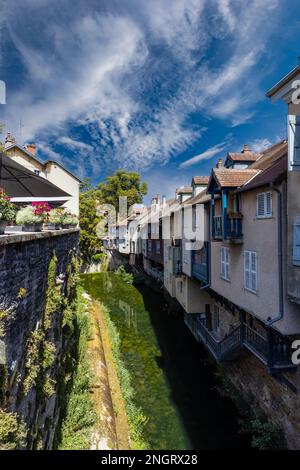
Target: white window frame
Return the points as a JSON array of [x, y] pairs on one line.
[[266, 214], [225, 263], [250, 274], [296, 243]]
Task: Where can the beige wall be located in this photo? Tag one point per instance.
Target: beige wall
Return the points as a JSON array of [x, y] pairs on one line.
[[54, 173], [293, 272], [190, 295], [25, 160], [66, 182], [260, 235]]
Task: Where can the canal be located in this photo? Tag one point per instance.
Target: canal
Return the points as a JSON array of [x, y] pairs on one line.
[[171, 373]]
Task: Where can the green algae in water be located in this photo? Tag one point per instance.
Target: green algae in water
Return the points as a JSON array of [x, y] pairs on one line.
[[142, 357]]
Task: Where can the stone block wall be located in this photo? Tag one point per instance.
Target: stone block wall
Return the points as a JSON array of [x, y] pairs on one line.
[[31, 336]]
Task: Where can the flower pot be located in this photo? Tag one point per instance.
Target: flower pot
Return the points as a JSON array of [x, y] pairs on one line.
[[3, 225], [32, 227], [51, 226], [68, 226]]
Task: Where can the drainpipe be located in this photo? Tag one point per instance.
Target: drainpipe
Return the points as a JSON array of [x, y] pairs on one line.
[[271, 322]]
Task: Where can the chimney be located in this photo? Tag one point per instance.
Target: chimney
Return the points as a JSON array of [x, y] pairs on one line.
[[220, 163], [164, 201], [246, 149], [31, 148], [9, 140]]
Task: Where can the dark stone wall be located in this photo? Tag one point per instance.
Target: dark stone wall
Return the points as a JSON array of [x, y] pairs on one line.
[[24, 264]]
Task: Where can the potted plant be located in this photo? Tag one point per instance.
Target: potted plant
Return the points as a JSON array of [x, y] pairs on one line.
[[69, 220], [54, 220], [7, 211], [30, 221]]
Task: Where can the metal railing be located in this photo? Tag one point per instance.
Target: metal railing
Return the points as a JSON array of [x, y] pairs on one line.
[[217, 229], [235, 227], [219, 349], [276, 355], [200, 270]]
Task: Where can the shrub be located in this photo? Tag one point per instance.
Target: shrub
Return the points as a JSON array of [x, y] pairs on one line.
[[7, 209], [55, 216], [27, 215], [69, 219], [126, 277]]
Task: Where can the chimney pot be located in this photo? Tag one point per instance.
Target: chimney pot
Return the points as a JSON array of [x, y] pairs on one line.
[[220, 163], [31, 148], [9, 140], [246, 148]]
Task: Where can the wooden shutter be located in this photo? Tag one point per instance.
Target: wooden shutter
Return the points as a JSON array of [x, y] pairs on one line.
[[253, 271], [261, 205], [268, 202]]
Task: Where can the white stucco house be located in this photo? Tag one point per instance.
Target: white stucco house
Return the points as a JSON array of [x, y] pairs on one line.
[[51, 170]]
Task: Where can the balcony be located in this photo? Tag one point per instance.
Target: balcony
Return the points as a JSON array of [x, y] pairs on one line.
[[177, 261], [217, 229], [200, 264], [233, 227], [274, 353]]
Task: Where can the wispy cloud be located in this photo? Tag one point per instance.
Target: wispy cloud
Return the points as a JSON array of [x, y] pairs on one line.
[[131, 74], [209, 153]]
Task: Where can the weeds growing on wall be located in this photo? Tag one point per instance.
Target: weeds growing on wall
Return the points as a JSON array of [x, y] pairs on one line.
[[264, 434], [12, 431], [79, 417], [136, 418]]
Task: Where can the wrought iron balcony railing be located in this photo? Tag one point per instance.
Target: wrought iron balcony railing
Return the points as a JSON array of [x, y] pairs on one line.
[[275, 354]]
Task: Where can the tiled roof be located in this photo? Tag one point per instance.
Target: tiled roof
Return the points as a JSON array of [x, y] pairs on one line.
[[200, 180], [200, 198], [271, 155], [228, 178], [185, 190], [274, 173], [246, 156]]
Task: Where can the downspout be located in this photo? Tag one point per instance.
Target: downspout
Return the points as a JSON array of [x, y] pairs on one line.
[[280, 260]]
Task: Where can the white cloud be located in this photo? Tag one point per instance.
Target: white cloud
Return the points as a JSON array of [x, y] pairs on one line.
[[258, 145], [75, 144], [209, 153], [96, 68]]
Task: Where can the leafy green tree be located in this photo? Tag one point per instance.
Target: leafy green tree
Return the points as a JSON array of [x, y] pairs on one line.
[[89, 242], [86, 185], [122, 183]]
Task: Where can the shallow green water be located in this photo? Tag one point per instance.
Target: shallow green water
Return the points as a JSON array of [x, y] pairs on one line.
[[142, 356], [174, 383]]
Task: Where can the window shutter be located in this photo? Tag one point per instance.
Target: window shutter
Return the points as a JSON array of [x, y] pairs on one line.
[[247, 269], [253, 271], [294, 141], [222, 263], [260, 205], [269, 204], [296, 252]]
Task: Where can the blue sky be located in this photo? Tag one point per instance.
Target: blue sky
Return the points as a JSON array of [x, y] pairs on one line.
[[163, 87]]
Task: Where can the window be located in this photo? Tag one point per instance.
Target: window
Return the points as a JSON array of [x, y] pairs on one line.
[[149, 245], [250, 270], [296, 251], [264, 205], [158, 247], [225, 263]]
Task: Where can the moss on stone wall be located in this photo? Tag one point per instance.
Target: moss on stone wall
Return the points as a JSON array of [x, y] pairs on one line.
[[12, 431], [79, 415]]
